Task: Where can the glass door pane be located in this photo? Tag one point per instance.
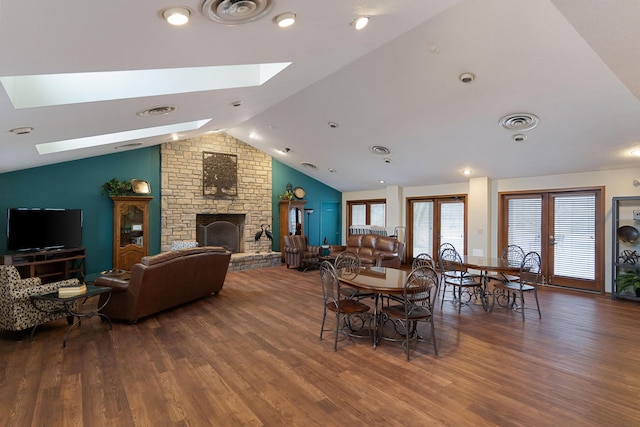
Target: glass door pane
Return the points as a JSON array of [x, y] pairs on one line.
[[422, 228], [524, 223], [452, 225]]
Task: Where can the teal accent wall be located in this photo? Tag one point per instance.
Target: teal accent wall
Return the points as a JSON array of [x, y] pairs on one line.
[[76, 185], [317, 193]]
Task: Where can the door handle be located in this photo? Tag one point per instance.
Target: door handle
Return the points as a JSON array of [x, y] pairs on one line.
[[552, 241]]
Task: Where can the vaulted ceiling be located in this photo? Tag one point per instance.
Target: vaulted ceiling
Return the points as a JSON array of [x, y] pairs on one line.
[[395, 84]]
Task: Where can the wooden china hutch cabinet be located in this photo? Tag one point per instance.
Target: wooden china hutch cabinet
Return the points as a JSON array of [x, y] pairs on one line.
[[291, 220], [130, 230]]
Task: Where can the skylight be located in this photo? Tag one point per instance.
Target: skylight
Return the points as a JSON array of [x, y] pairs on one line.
[[110, 138], [72, 88]]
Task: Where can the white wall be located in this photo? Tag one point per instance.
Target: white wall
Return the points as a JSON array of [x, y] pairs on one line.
[[482, 201], [479, 217]]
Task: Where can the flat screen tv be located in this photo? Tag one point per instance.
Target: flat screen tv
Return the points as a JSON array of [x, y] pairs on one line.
[[42, 229]]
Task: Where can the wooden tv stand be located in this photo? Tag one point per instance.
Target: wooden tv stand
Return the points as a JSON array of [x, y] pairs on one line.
[[50, 266]]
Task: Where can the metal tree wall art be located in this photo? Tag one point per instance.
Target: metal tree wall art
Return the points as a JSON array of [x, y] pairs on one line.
[[219, 174]]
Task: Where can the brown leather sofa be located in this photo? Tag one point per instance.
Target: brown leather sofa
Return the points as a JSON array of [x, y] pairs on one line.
[[164, 281], [374, 249]]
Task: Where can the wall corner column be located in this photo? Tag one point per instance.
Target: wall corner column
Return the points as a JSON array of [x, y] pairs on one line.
[[479, 217]]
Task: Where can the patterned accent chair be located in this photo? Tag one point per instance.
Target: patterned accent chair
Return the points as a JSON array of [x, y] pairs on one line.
[[297, 253], [16, 310]]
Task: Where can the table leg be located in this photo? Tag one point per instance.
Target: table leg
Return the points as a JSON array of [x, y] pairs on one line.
[[486, 294], [375, 320], [87, 315]]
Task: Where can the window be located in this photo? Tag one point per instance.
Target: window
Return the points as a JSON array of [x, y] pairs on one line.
[[367, 212]]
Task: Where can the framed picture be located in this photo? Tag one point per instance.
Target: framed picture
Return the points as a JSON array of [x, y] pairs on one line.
[[219, 174]]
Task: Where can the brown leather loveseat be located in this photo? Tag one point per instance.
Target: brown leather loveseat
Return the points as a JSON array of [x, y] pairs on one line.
[[374, 249], [166, 280]]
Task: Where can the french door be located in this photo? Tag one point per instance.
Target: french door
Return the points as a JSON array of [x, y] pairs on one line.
[[564, 227], [435, 221]]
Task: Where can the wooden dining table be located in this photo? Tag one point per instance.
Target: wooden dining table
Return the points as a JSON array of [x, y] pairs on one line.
[[486, 265], [376, 280]]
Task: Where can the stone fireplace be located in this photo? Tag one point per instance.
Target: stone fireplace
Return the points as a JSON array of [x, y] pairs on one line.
[[183, 202]]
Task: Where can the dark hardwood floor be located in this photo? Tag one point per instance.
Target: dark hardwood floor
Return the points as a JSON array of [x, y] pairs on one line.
[[251, 356]]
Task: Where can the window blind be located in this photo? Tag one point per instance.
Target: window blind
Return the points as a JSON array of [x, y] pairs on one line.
[[525, 223]]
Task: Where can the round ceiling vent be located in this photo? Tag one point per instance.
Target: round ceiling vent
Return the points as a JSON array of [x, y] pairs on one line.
[[157, 111], [309, 165], [232, 12], [519, 121], [379, 149]]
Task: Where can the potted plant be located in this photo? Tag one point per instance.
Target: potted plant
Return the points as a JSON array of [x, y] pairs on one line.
[[287, 195], [629, 279], [114, 187]]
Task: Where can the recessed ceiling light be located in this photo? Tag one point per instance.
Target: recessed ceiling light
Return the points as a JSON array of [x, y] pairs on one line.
[[467, 172], [284, 150], [635, 153], [332, 170], [360, 22], [333, 125], [381, 181], [21, 131], [519, 137], [236, 103], [285, 20], [176, 15]]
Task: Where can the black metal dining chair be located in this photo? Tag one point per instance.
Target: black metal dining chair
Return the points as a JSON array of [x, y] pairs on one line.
[[423, 259], [349, 261], [455, 274], [417, 305], [526, 282], [348, 312]]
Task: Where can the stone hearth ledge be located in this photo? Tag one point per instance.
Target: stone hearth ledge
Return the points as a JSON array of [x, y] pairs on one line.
[[252, 260]]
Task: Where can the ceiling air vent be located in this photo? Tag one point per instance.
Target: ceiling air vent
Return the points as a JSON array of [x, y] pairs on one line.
[[519, 122], [379, 149], [309, 166], [157, 111], [232, 12], [22, 131]]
